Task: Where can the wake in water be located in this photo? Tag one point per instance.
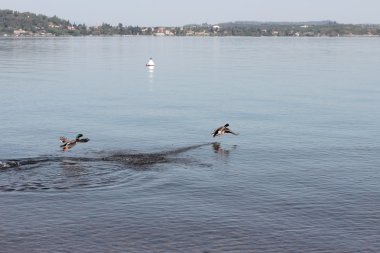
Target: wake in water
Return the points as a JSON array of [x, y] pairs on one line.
[[137, 159], [62, 172]]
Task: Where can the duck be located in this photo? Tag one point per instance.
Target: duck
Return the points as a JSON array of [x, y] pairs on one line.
[[223, 130], [68, 144]]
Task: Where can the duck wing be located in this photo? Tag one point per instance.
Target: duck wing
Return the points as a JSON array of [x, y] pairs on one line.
[[63, 139], [84, 140], [227, 130]]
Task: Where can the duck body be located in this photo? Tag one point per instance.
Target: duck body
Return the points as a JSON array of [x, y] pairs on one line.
[[223, 130], [68, 144]]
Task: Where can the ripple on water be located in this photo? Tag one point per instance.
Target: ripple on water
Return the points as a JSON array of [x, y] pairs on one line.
[[63, 176], [65, 173]]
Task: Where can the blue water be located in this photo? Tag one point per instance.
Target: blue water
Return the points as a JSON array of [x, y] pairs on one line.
[[301, 176]]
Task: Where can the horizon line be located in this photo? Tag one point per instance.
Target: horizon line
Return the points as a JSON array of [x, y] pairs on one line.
[[201, 23]]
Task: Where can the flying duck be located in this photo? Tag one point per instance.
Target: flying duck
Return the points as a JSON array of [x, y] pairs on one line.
[[223, 130], [68, 144]]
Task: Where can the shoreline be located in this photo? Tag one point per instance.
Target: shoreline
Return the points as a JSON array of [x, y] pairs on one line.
[[182, 36]]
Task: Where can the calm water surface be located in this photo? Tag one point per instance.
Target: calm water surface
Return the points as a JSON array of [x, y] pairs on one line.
[[302, 176]]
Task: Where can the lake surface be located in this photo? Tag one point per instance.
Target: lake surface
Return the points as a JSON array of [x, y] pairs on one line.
[[302, 176]]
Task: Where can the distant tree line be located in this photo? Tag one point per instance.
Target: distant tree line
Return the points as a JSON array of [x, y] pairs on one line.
[[13, 23], [306, 29]]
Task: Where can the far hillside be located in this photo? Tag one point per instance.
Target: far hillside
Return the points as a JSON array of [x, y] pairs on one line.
[[14, 23], [26, 23]]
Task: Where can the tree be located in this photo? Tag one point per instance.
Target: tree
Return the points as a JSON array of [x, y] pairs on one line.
[[120, 28]]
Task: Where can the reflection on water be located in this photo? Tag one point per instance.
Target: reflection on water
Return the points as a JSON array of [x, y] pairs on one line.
[[222, 152], [151, 77], [150, 69]]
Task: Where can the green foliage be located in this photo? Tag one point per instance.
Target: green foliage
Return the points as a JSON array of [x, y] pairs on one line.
[[30, 24]]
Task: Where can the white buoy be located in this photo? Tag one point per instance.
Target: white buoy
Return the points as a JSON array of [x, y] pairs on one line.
[[150, 63]]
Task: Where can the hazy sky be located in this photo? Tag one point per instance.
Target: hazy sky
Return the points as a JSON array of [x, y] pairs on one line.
[[178, 13]]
